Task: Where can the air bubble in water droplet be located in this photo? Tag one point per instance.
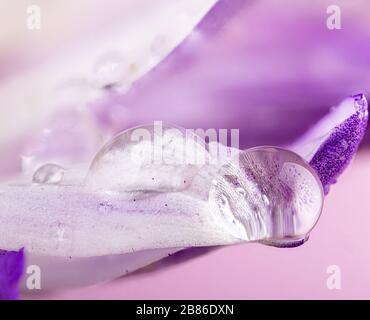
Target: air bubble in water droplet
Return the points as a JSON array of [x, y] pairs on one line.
[[148, 158], [48, 174], [283, 198]]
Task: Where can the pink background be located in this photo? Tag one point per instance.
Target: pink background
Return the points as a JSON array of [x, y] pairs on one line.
[[254, 271]]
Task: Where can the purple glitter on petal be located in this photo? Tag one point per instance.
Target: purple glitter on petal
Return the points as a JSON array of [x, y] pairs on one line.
[[11, 269], [336, 152]]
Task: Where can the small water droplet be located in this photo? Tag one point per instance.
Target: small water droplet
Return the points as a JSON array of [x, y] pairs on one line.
[[110, 70], [49, 174]]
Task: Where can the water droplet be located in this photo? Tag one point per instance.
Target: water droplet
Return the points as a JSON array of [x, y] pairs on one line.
[[110, 70], [49, 174], [283, 195], [147, 158]]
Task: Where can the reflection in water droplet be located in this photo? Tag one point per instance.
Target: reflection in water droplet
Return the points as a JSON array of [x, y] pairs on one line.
[[48, 174], [282, 200], [148, 158]]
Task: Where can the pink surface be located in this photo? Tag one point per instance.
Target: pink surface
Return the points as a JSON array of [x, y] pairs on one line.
[[254, 271]]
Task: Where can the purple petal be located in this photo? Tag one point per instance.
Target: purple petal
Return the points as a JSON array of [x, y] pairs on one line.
[[11, 268], [339, 148], [234, 79], [331, 144]]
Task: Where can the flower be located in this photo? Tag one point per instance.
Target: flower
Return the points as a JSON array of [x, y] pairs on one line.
[[276, 87]]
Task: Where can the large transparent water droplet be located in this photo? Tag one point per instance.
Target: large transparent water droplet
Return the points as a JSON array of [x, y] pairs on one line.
[[48, 174], [272, 192], [148, 158]]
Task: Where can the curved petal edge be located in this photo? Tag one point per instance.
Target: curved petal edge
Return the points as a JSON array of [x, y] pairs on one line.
[[330, 146]]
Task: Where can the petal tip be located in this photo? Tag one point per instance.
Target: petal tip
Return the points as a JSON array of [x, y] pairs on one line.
[[338, 149]]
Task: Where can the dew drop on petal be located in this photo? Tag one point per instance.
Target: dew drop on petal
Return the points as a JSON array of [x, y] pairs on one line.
[[48, 174], [148, 158], [110, 70], [283, 195]]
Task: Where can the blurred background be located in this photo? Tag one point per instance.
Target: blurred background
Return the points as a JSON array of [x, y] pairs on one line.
[[73, 73]]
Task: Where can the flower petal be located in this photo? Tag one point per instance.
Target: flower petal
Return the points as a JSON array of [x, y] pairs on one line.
[[11, 268], [331, 144]]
